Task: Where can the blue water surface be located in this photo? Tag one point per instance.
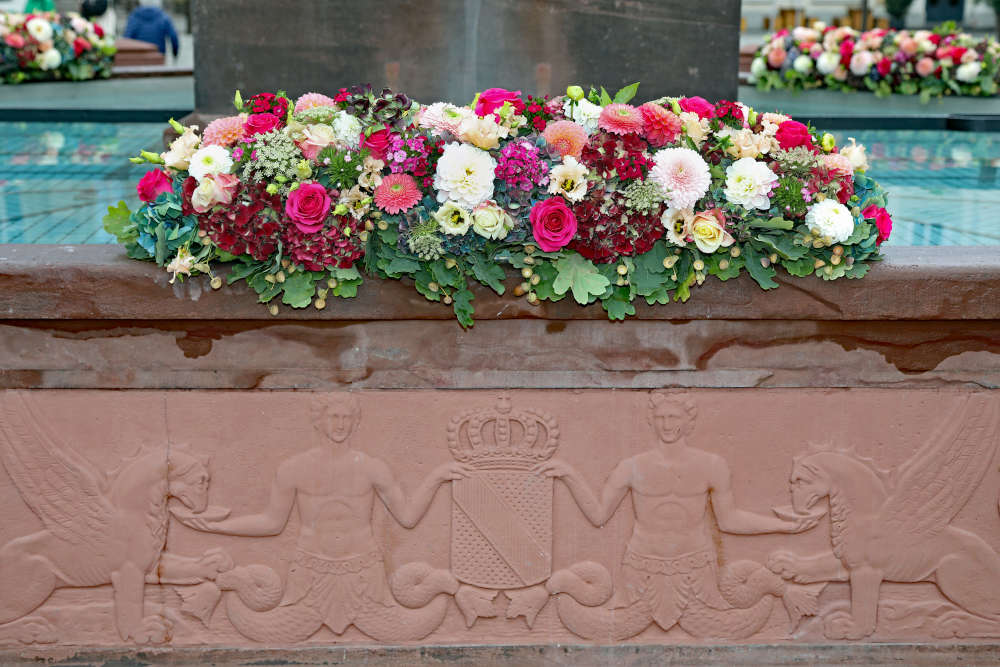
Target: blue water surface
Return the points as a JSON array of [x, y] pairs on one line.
[[57, 180]]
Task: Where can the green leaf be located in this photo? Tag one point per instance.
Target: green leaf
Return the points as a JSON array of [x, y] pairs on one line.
[[446, 277], [861, 232], [346, 274], [581, 276], [660, 295], [422, 281], [400, 265], [547, 273], [771, 223], [462, 303], [118, 223], [627, 93], [762, 274], [857, 270], [799, 267], [784, 245], [684, 288], [732, 269], [241, 271], [649, 274], [299, 289], [605, 98], [160, 253], [619, 305], [488, 273]]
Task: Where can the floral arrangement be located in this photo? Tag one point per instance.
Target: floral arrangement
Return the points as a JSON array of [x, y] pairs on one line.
[[924, 62], [582, 195], [48, 46]]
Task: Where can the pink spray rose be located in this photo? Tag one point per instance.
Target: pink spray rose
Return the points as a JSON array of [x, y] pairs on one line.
[[377, 143], [153, 184], [492, 99], [909, 46], [260, 123], [553, 224], [925, 67], [307, 206], [698, 105], [14, 40], [882, 221], [776, 57]]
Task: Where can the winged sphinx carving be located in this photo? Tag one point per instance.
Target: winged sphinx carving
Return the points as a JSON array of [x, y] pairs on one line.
[[99, 528], [897, 527]]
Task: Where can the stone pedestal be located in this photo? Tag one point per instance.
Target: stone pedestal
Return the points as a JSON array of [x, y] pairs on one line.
[[450, 49]]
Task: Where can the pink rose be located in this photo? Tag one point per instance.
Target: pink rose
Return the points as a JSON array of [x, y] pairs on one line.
[[776, 57], [492, 99], [882, 221], [884, 66], [792, 133], [213, 190], [14, 40], [377, 143], [260, 123], [552, 223], [307, 206], [925, 67], [153, 184], [698, 105], [909, 46]]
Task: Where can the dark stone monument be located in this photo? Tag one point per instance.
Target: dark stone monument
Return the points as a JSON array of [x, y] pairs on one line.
[[449, 49]]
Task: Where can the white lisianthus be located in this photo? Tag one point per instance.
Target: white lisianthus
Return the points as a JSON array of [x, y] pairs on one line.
[[855, 152], [465, 175], [830, 220], [568, 179], [491, 222], [677, 222], [347, 129], [749, 184], [828, 62], [968, 72], [584, 112], [50, 59], [210, 160], [758, 67], [181, 149], [453, 219], [39, 29], [803, 64]]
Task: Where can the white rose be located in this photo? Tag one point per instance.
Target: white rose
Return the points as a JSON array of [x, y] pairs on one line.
[[569, 179], [210, 160], [968, 72], [181, 150], [803, 64], [749, 184], [50, 59], [758, 67], [39, 29], [491, 222], [861, 63], [464, 174], [453, 219], [830, 220], [827, 62], [583, 112]]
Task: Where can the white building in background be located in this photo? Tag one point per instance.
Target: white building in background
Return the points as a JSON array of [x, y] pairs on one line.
[[922, 13]]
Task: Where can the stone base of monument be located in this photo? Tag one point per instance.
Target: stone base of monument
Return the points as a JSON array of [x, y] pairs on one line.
[[795, 476]]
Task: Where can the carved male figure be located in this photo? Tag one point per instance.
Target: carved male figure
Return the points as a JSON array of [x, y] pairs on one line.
[[670, 565], [98, 528], [338, 575]]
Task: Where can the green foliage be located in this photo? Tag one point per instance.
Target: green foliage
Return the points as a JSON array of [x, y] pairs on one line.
[[759, 267], [579, 275]]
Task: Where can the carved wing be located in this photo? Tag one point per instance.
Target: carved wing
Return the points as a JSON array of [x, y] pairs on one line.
[[65, 490], [936, 483]]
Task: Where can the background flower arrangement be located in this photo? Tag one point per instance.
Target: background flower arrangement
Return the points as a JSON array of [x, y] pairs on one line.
[[584, 195], [924, 62], [46, 46]]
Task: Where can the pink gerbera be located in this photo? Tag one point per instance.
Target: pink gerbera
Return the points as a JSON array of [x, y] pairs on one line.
[[223, 131], [565, 136], [620, 119], [397, 193], [311, 100], [662, 126]]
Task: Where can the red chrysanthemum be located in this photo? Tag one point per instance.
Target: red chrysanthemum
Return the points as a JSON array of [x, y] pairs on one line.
[[565, 136], [620, 119], [338, 244], [662, 125], [607, 230], [397, 193]]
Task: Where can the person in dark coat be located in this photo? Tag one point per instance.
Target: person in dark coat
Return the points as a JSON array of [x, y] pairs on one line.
[[149, 23]]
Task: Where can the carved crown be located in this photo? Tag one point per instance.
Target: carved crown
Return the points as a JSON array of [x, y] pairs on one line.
[[501, 437]]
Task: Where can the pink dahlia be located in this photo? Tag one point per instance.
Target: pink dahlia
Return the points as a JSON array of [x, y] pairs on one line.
[[397, 193], [565, 136], [683, 176], [620, 119], [662, 126], [223, 131], [312, 100]]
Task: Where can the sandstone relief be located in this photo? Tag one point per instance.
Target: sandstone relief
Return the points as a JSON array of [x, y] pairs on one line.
[[476, 517]]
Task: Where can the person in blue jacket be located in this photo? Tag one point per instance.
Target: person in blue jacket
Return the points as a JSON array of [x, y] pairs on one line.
[[149, 23]]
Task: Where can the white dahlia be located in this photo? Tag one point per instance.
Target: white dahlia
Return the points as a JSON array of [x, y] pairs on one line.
[[464, 175], [50, 59], [749, 184], [682, 175], [210, 160], [828, 62], [831, 220], [40, 29]]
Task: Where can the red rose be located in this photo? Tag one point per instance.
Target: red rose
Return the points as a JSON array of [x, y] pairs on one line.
[[552, 224], [884, 66], [792, 133], [934, 39], [153, 184], [956, 54], [492, 99], [307, 206], [377, 143], [260, 123], [882, 221], [846, 50], [698, 105], [80, 45], [98, 30]]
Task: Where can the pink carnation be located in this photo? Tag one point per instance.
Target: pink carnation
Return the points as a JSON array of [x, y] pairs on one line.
[[312, 100], [397, 193], [223, 131], [662, 126], [620, 119]]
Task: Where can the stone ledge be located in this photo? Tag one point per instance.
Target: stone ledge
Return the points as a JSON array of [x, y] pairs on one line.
[[93, 282], [649, 655]]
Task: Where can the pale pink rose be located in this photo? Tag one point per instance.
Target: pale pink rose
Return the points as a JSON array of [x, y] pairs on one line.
[[840, 74], [838, 164], [212, 190], [776, 57], [925, 67], [909, 46]]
